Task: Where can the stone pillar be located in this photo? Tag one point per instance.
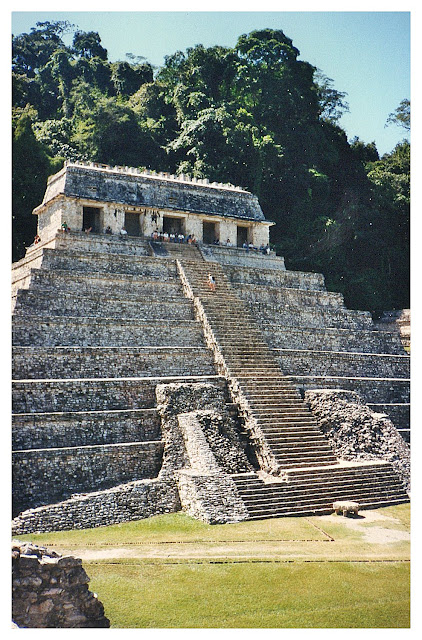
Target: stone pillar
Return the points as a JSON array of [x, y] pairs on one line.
[[260, 234], [228, 231]]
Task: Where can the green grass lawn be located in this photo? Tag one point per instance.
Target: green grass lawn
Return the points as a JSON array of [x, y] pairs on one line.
[[253, 595], [175, 572]]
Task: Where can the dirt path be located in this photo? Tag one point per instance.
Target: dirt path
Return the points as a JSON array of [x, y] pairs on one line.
[[371, 536]]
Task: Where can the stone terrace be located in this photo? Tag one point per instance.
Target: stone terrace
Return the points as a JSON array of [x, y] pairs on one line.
[[94, 332]]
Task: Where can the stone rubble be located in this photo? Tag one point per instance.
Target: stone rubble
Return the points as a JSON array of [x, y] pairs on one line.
[[357, 433], [51, 591]]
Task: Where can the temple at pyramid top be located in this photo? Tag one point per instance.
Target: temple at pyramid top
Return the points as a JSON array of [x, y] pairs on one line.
[[99, 197]]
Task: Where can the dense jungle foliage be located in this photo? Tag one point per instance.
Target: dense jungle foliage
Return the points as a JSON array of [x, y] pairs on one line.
[[253, 115]]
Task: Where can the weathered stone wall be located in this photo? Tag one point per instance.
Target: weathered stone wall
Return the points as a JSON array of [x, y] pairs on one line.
[[356, 433], [201, 447], [50, 222], [82, 261], [222, 438], [99, 284], [123, 503], [205, 491], [241, 258], [211, 498], [399, 414], [44, 476], [46, 431], [331, 339], [288, 296], [331, 363], [372, 390], [106, 306], [396, 323], [315, 317], [109, 362], [275, 277], [51, 591], [174, 399], [107, 332], [100, 243], [46, 396]]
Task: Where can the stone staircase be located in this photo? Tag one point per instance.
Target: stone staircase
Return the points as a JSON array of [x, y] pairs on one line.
[[283, 429], [285, 437], [312, 492]]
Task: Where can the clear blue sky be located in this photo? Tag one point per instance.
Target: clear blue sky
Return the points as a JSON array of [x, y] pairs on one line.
[[367, 54]]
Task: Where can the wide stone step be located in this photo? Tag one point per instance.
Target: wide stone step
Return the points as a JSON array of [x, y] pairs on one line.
[[72, 429], [318, 318], [331, 339], [308, 435], [58, 473], [314, 461], [281, 420], [355, 492], [95, 394], [52, 331], [288, 434], [371, 390], [280, 398], [111, 285], [297, 499], [318, 507], [264, 414], [96, 262], [101, 362], [255, 493], [313, 450], [372, 504], [320, 482], [329, 363], [63, 304]]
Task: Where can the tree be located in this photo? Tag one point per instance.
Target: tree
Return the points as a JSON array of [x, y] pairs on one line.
[[365, 152], [401, 116], [88, 45], [31, 52], [127, 79], [111, 133], [332, 102], [31, 166]]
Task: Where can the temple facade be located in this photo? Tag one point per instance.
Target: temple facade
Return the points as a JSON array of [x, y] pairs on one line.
[[99, 197]]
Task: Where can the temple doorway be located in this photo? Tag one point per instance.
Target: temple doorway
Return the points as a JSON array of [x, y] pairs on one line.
[[132, 223], [210, 232], [91, 219], [173, 225], [242, 236]]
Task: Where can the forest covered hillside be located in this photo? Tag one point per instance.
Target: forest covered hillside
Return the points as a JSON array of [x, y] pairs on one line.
[[253, 115]]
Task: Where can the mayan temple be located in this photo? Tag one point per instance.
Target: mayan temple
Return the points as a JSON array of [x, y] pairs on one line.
[[163, 359]]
